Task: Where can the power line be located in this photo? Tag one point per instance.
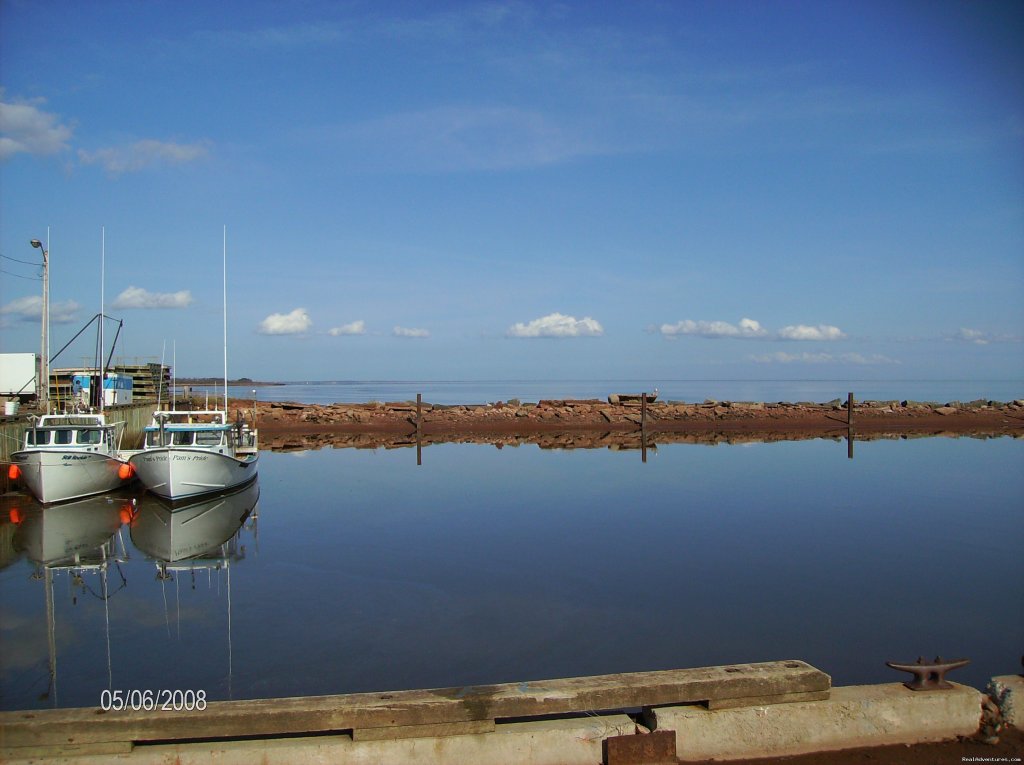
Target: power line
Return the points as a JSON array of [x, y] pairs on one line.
[[26, 262], [19, 276]]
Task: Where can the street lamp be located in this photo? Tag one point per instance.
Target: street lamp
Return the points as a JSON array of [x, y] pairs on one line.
[[44, 360]]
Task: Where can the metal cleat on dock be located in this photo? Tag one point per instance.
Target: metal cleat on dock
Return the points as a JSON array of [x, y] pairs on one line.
[[929, 675]]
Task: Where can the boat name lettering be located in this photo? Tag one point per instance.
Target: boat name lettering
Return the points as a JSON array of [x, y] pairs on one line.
[[74, 457]]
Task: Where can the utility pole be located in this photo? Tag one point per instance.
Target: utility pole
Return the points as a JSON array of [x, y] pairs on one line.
[[44, 356]]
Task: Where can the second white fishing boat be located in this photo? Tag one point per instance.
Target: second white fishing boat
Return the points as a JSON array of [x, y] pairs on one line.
[[190, 453], [187, 454]]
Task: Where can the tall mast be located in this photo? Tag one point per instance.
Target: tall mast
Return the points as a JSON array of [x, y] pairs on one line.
[[103, 275], [160, 383], [225, 259]]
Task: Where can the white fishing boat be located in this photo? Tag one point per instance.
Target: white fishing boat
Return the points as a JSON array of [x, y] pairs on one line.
[[188, 454], [69, 456], [73, 454]]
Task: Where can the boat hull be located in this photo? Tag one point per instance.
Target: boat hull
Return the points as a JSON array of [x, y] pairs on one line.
[[54, 475], [178, 473]]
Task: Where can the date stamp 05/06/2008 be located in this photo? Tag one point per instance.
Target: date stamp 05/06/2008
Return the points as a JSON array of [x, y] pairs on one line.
[[164, 700]]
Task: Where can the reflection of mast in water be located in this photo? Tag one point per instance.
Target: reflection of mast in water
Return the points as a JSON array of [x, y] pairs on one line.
[[200, 536], [75, 538]]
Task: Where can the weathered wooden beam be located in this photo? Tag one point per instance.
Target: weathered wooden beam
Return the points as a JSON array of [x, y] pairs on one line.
[[360, 711], [423, 731]]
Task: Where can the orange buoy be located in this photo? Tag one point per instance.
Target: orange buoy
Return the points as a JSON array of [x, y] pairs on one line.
[[126, 471], [15, 515], [14, 472], [126, 515]]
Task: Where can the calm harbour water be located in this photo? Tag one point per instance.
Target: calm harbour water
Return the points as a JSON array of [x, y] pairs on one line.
[[360, 571]]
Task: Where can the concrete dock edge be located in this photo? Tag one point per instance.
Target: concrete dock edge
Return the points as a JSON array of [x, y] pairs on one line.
[[853, 716], [576, 741]]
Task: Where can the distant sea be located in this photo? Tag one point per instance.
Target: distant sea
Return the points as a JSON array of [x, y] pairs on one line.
[[488, 391]]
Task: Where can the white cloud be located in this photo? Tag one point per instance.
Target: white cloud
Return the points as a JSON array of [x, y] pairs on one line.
[[822, 358], [137, 297], [26, 129], [31, 309], [353, 328], [806, 332], [714, 329], [557, 325], [142, 154], [294, 323], [410, 332], [973, 336]]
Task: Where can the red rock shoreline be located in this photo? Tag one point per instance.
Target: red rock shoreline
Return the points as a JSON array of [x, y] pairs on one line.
[[768, 420]]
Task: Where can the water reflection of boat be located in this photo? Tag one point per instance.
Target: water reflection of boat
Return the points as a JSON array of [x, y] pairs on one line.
[[197, 531], [187, 539], [70, 534], [79, 539]]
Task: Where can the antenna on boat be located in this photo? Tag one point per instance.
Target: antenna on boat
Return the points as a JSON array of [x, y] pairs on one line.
[[160, 383], [174, 375], [225, 261], [103, 273]]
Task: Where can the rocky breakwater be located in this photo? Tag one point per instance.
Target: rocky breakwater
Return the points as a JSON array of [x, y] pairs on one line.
[[569, 415]]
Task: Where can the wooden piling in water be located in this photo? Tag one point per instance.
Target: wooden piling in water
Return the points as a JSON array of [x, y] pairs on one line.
[[643, 426], [849, 409], [419, 428]]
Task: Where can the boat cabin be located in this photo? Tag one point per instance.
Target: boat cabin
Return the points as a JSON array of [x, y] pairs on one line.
[[199, 430], [203, 437], [84, 432]]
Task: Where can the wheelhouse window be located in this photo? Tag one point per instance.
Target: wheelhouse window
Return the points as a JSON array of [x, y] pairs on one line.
[[182, 438], [90, 436], [38, 437], [153, 438], [208, 438], [63, 436]]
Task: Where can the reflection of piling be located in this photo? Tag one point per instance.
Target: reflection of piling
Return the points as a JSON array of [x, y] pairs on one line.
[[849, 425]]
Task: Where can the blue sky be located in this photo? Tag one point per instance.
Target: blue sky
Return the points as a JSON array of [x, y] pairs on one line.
[[767, 190]]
